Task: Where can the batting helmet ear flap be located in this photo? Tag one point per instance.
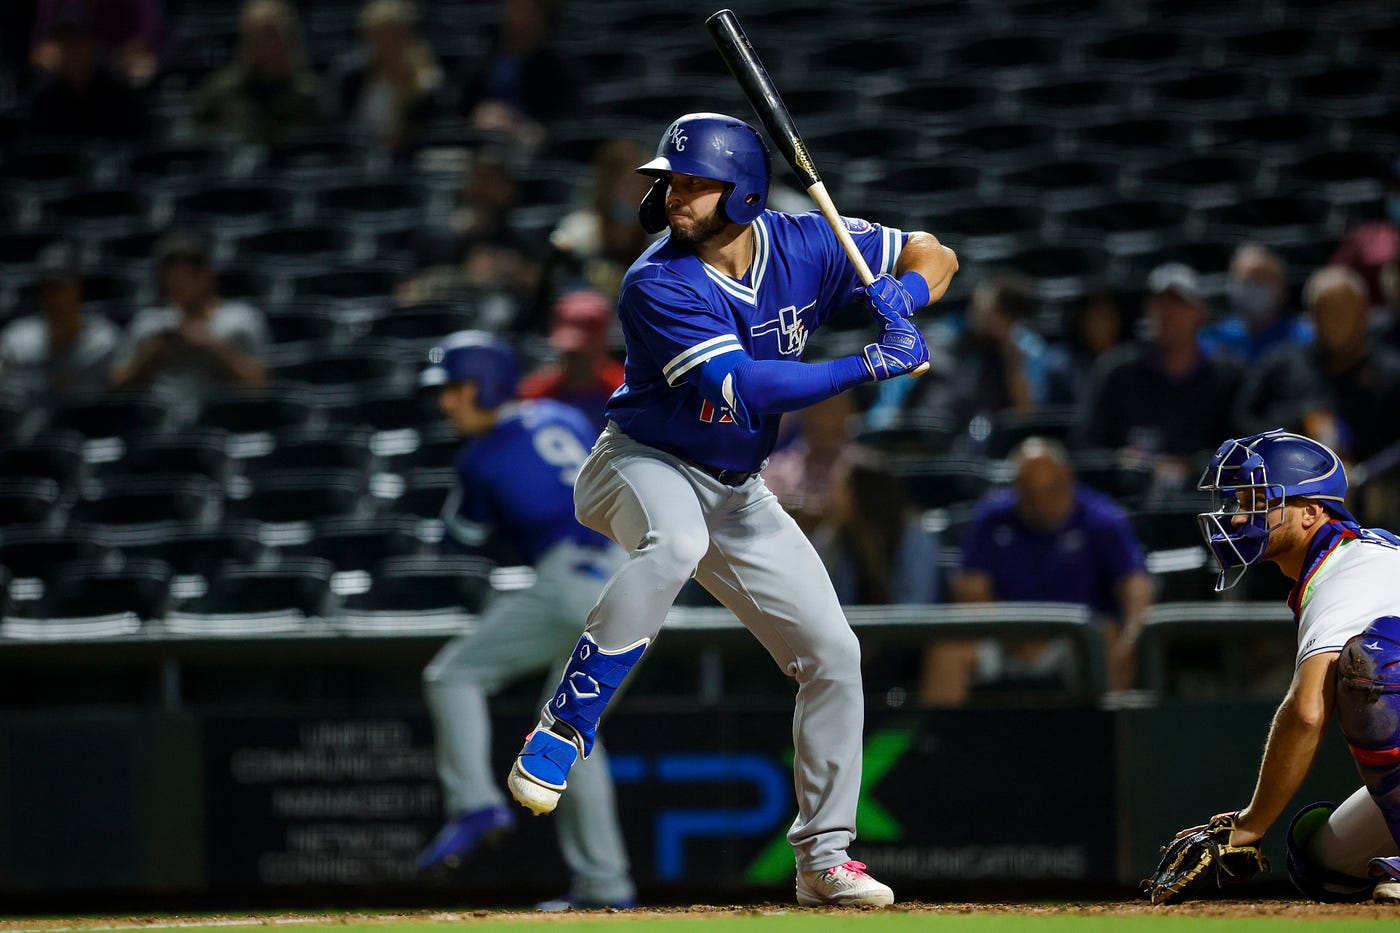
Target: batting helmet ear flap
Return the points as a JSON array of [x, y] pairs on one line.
[[652, 211]]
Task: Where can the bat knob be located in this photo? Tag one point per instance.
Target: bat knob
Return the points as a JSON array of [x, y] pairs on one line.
[[918, 371]]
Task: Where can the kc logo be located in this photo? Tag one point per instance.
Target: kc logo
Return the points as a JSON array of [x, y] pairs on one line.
[[791, 333], [678, 138]]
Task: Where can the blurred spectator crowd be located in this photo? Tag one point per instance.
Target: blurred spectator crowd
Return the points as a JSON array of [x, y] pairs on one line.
[[235, 229]]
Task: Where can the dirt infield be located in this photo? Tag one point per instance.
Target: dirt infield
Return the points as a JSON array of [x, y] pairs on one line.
[[1216, 909]]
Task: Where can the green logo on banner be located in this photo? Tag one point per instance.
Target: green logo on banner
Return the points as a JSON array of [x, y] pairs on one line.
[[874, 823]]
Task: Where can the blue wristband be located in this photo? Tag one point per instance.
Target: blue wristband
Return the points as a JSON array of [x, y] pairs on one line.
[[917, 287]]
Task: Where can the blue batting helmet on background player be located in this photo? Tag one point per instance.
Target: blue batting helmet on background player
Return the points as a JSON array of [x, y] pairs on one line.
[[710, 145], [478, 357], [1269, 468]]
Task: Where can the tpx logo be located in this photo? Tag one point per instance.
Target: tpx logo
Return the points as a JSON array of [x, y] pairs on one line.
[[678, 138]]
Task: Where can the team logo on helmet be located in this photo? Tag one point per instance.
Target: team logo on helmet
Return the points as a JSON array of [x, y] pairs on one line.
[[678, 138]]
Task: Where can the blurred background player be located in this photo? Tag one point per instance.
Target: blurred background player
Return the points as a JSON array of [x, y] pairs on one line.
[[716, 316], [515, 480], [1280, 497]]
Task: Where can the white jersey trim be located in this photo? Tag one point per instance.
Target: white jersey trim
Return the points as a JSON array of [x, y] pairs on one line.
[[761, 251], [471, 534], [891, 244], [687, 360]]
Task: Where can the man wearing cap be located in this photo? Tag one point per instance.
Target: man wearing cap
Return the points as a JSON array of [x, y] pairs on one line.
[[584, 375], [515, 479], [1163, 398], [198, 341], [60, 351]]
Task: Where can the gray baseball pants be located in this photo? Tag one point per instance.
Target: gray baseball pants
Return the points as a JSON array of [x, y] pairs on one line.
[[527, 632], [676, 521]]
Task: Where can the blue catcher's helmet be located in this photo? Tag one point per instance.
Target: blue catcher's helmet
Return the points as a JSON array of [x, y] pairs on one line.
[[1267, 468], [710, 145], [474, 356]]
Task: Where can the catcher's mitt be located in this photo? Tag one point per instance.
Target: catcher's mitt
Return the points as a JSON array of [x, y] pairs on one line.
[[1202, 858]]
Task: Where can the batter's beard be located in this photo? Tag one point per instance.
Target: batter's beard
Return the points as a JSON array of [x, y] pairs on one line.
[[702, 230]]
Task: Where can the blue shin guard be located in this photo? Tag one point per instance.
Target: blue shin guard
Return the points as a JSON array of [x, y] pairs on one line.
[[589, 682], [569, 724]]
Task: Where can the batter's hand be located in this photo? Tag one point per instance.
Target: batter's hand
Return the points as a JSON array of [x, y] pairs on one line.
[[900, 349], [890, 299]]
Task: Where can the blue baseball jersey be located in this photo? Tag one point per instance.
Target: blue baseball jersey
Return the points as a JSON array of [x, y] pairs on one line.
[[678, 312], [518, 480]]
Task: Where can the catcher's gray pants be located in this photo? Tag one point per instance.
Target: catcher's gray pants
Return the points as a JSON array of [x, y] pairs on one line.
[[525, 632], [676, 520]]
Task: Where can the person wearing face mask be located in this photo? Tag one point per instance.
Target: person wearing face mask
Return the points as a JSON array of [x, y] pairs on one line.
[[1258, 319], [1343, 387], [1370, 247]]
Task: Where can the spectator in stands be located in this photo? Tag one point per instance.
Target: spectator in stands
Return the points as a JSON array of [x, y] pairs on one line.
[[524, 83], [393, 84], [480, 248], [871, 537], [80, 98], [998, 363], [267, 93], [801, 473], [583, 375], [1046, 539], [1342, 389], [598, 242], [1258, 319], [127, 33], [1368, 247], [1163, 400], [60, 351], [197, 341], [1097, 324]]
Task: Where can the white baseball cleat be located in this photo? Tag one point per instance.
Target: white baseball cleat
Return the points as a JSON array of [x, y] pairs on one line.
[[1387, 892], [540, 773], [845, 885]]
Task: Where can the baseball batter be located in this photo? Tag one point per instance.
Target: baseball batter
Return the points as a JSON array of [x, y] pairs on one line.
[[515, 479], [716, 316], [1280, 497]]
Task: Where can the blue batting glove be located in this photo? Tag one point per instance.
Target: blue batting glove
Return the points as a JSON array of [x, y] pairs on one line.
[[893, 298], [900, 349]]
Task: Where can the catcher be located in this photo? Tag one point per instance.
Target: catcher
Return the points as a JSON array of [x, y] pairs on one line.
[[1279, 497]]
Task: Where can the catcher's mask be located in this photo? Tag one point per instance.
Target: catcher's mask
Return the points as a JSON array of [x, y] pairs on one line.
[[1251, 477]]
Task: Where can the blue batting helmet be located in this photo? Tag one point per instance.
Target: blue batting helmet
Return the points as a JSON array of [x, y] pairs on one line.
[[474, 356], [1268, 468], [710, 145]]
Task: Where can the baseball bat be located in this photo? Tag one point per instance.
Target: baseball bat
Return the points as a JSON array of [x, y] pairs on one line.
[[743, 62]]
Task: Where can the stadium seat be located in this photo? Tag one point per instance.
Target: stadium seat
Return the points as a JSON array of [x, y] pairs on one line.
[[231, 208], [300, 585], [30, 551], [409, 584], [197, 550], [909, 434], [307, 326], [1164, 526], [1104, 471], [348, 369], [28, 500], [301, 495], [181, 163], [438, 445], [330, 449], [140, 586], [322, 245], [134, 502], [369, 204], [57, 455], [346, 283], [388, 408], [98, 211], [275, 408], [943, 481], [425, 323], [425, 491], [122, 415], [202, 451], [362, 543], [1009, 428]]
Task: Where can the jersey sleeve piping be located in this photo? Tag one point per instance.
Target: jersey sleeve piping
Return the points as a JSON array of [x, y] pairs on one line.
[[687, 360]]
